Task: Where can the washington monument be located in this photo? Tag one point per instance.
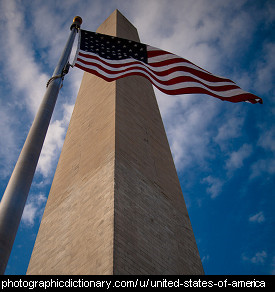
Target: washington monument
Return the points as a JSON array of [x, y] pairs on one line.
[[116, 204]]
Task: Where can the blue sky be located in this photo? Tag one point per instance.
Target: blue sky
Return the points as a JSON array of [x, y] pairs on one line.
[[224, 152]]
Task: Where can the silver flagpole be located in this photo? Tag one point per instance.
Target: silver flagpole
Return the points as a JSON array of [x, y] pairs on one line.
[[16, 193]]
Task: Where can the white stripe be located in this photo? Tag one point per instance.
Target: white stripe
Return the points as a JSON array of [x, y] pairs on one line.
[[151, 70], [226, 94], [161, 58]]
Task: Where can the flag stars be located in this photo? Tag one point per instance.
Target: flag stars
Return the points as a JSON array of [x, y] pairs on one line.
[[110, 47]]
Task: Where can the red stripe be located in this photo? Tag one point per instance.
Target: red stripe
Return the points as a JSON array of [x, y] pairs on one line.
[[151, 54], [202, 75], [171, 81], [190, 90], [156, 53], [206, 76], [179, 60]]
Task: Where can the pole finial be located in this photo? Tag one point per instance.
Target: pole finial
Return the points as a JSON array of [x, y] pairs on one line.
[[76, 22]]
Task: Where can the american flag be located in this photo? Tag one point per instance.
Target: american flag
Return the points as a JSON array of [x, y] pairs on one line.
[[112, 58]]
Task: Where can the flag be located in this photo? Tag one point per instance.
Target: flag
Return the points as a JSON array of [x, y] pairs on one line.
[[112, 58]]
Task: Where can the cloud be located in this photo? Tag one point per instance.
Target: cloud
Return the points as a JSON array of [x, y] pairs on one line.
[[236, 158], [205, 259], [17, 53], [33, 209], [209, 32], [8, 149], [266, 69], [215, 186], [267, 140], [27, 80], [54, 142], [188, 122], [235, 161], [265, 166], [229, 129], [259, 217], [258, 258]]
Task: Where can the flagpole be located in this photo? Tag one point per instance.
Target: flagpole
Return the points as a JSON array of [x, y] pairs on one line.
[[16, 193]]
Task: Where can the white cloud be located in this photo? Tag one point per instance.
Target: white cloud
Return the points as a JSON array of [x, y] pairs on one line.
[[8, 150], [266, 69], [259, 217], [209, 32], [262, 167], [24, 74], [267, 140], [54, 142], [205, 259], [33, 209], [230, 128], [236, 158], [265, 166], [215, 186], [258, 258], [28, 82], [187, 121]]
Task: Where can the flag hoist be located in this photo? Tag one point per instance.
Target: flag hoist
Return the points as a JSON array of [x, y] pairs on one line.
[[16, 193]]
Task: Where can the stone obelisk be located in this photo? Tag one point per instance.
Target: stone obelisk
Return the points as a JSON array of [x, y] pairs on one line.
[[115, 205]]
